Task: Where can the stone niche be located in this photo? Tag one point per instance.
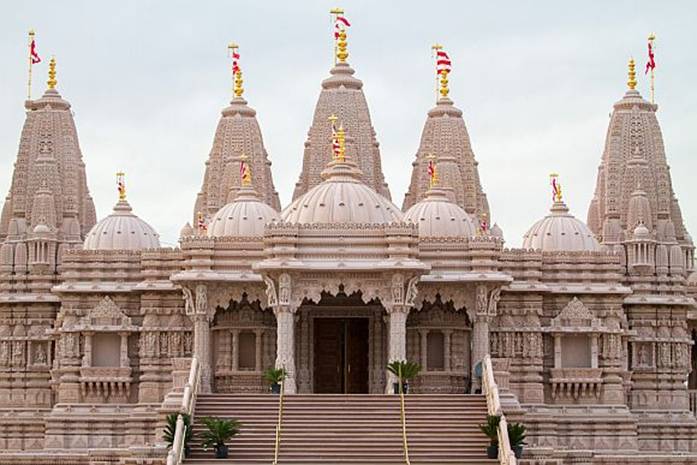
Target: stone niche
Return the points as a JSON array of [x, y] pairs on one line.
[[105, 372], [244, 338], [577, 377]]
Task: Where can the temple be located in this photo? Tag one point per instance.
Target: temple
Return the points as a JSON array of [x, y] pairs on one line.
[[588, 329]]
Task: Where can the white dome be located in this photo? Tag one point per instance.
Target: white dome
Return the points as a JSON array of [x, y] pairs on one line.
[[560, 231], [437, 216], [244, 216], [122, 230], [341, 198]]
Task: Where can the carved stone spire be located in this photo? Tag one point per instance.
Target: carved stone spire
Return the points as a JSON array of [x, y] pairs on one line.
[[238, 134], [49, 184], [342, 95], [633, 182], [445, 135]]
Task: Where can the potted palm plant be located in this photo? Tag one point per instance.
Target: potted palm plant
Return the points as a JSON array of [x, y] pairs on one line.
[[275, 376], [516, 437], [491, 430], [219, 431], [171, 427], [404, 371]]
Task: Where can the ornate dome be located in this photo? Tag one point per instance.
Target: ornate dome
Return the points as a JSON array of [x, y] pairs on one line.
[[245, 216], [122, 230], [439, 217], [341, 198], [560, 231]]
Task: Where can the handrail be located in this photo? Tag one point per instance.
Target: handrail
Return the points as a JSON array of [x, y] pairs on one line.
[[404, 424], [277, 444], [176, 454], [493, 405]]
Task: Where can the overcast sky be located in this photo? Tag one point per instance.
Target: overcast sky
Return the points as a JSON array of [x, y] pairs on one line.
[[536, 82]]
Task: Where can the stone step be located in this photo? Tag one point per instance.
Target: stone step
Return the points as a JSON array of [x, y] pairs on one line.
[[348, 429]]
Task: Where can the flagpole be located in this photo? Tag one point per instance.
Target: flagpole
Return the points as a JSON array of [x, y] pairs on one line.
[[652, 38], [31, 39], [435, 48]]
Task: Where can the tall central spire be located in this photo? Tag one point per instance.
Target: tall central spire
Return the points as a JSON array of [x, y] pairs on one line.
[[341, 95]]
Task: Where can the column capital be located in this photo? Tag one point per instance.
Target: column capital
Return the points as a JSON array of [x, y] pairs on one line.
[[196, 303]]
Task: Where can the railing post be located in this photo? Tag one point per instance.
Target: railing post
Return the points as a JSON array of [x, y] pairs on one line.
[[493, 404]]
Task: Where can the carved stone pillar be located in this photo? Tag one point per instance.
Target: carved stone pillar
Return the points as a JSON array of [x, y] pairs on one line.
[[285, 345], [397, 339], [259, 334], [447, 334], [485, 310], [198, 312], [87, 355], [235, 349], [124, 361], [423, 335]]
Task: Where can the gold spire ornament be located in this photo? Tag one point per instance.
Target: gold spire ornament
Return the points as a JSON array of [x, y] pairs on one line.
[[245, 171], [341, 138], [631, 79], [121, 185], [432, 171], [340, 42], [52, 74], [237, 80]]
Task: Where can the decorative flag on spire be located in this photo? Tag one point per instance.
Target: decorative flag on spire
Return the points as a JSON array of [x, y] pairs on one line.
[[340, 44], [432, 171], [340, 24], [34, 58], [245, 171], [121, 185], [651, 65], [237, 90], [443, 68], [556, 187], [651, 62], [201, 223], [483, 225], [33, 54], [336, 148], [443, 63]]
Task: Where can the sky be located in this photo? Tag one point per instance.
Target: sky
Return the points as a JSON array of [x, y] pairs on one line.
[[536, 82]]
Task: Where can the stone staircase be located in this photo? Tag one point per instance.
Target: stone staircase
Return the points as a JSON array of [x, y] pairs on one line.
[[348, 429]]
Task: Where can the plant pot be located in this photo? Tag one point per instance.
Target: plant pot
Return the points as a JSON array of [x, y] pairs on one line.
[[221, 451], [275, 388], [405, 388], [518, 451], [492, 452]]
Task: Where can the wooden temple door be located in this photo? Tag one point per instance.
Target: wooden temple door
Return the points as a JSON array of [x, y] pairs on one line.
[[341, 355]]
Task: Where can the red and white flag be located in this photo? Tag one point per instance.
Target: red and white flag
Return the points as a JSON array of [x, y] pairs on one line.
[[235, 62], [651, 63], [336, 148], [431, 170], [443, 63], [33, 55], [201, 224], [340, 24]]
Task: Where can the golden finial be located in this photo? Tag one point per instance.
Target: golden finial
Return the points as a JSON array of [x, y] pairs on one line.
[[237, 88], [631, 80], [341, 44], [245, 171], [442, 70], [121, 185], [444, 89], [556, 187], [52, 74], [432, 171]]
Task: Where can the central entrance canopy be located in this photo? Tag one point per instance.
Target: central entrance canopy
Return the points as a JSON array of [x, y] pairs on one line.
[[341, 355]]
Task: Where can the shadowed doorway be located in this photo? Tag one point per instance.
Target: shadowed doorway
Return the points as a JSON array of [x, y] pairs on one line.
[[341, 355]]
